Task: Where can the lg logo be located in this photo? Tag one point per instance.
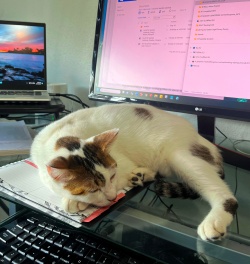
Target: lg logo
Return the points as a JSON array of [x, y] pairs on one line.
[[197, 109]]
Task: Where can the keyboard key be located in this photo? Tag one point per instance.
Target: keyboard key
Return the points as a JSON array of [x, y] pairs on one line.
[[32, 253], [10, 255], [4, 248], [65, 233], [20, 259], [23, 249], [15, 231], [46, 247], [52, 237], [82, 250], [16, 245], [92, 243], [29, 228], [30, 240], [82, 239], [70, 245], [57, 230], [55, 252], [49, 227], [35, 231], [32, 220], [66, 257], [44, 234], [93, 255], [45, 259], [23, 223], [104, 260], [23, 236], [79, 260], [38, 243], [43, 224], [115, 253], [6, 237], [60, 241], [104, 248], [133, 261], [4, 261]]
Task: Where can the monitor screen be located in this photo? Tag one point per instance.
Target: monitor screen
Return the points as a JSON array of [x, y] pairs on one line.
[[22, 56], [187, 56]]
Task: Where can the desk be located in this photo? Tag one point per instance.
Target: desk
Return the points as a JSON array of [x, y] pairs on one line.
[[146, 225], [55, 106]]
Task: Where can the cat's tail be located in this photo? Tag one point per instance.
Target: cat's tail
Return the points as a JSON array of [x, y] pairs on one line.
[[174, 190]]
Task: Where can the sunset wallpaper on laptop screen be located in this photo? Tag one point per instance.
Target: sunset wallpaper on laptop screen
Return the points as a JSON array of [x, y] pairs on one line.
[[22, 53]]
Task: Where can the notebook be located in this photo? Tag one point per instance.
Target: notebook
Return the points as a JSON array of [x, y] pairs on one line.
[[23, 62]]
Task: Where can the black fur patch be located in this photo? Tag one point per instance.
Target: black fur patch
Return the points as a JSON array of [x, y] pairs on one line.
[[203, 153], [70, 143], [94, 154], [77, 163], [220, 165], [230, 206], [143, 113], [174, 190], [91, 153]]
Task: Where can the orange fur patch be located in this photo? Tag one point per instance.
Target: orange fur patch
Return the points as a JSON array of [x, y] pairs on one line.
[[83, 177]]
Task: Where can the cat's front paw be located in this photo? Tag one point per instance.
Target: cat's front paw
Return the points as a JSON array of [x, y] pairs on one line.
[[136, 179], [214, 226], [72, 206], [140, 175]]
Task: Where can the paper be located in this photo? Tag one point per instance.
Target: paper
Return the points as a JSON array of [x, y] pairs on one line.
[[14, 138], [21, 181]]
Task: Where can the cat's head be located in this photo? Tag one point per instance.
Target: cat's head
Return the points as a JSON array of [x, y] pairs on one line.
[[84, 170]]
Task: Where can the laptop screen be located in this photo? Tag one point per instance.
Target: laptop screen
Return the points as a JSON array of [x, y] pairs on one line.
[[22, 56]]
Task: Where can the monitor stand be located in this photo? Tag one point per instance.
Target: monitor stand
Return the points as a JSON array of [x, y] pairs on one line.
[[206, 128]]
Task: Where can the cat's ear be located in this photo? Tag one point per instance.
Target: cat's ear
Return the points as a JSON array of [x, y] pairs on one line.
[[105, 139], [58, 169]]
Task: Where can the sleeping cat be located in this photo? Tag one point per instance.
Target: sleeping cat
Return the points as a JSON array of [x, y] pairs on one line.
[[89, 155]]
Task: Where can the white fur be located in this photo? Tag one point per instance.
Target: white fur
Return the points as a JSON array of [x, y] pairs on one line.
[[160, 144]]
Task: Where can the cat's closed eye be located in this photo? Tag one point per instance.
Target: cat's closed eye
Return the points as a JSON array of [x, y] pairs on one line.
[[93, 191], [112, 177]]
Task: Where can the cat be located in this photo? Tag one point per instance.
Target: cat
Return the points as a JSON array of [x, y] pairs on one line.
[[90, 154]]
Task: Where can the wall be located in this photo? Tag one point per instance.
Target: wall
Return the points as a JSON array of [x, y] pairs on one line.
[[70, 36]]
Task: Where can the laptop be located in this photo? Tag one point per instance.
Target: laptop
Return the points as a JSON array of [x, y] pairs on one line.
[[23, 62]]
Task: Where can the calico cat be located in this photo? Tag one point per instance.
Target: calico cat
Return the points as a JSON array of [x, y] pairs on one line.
[[89, 155]]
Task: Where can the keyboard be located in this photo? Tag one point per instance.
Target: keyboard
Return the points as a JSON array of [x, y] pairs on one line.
[[20, 93], [36, 238]]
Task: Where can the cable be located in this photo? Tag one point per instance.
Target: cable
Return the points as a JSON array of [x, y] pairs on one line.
[[169, 208], [221, 132], [69, 96], [236, 142]]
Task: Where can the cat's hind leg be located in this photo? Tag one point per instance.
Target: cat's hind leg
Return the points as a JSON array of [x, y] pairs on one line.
[[140, 175], [203, 176]]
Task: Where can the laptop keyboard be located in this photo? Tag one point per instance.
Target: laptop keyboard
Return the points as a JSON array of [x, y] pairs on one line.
[[39, 239], [19, 93]]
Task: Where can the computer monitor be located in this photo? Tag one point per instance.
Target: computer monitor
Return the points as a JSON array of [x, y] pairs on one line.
[[184, 56], [22, 55]]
